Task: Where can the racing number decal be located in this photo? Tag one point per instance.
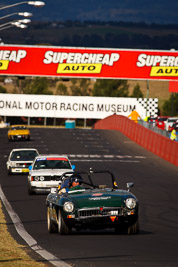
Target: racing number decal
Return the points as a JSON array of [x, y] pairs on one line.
[[4, 64]]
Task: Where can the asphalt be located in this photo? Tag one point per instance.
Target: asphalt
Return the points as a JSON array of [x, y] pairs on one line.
[[155, 186]]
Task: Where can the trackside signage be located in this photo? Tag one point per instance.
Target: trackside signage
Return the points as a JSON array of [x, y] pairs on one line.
[[74, 106], [88, 62]]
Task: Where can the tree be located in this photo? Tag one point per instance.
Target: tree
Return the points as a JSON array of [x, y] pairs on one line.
[[137, 92], [61, 89], [52, 81], [3, 90], [113, 88], [80, 87], [38, 86], [170, 107], [20, 84], [74, 88]]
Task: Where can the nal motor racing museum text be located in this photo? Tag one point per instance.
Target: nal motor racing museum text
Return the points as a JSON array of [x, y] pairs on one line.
[[47, 106]]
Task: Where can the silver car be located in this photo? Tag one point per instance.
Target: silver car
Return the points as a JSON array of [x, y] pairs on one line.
[[20, 159], [46, 171]]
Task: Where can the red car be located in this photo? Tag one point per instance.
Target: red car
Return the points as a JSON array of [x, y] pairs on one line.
[[160, 122]]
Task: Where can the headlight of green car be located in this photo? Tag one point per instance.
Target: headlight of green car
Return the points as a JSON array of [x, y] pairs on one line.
[[130, 203], [68, 206]]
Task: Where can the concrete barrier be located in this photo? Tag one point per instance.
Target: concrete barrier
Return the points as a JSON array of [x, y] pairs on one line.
[[154, 142]]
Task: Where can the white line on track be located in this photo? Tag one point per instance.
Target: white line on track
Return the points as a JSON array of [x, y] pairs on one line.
[[105, 160], [97, 156], [28, 238]]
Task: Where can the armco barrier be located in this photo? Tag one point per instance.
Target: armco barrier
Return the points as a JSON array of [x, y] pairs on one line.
[[154, 142]]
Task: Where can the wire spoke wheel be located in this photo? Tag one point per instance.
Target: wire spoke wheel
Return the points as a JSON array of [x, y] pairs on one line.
[[63, 229], [52, 228]]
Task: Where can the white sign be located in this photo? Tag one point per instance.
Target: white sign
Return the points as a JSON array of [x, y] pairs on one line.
[[78, 107]]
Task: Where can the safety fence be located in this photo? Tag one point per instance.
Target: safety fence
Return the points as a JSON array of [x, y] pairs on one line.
[[152, 141], [154, 128]]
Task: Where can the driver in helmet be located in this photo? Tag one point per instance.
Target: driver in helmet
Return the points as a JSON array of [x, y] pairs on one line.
[[75, 182], [70, 184]]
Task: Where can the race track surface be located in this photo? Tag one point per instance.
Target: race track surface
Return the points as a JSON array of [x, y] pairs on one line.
[[155, 186]]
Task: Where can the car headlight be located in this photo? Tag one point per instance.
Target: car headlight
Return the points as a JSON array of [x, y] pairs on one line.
[[130, 203], [68, 206], [36, 178], [12, 164]]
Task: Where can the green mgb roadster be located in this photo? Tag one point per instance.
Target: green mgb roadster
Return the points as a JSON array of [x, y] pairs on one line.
[[95, 203]]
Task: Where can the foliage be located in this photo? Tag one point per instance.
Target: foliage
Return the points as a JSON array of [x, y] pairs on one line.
[[112, 88], [37, 86], [52, 82], [21, 85], [3, 90], [61, 89], [74, 88], [80, 87], [2, 78], [137, 92], [170, 107]]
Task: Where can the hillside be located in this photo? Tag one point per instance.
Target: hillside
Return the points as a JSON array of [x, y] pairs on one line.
[[95, 34]]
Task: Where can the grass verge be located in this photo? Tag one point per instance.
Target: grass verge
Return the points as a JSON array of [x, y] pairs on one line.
[[12, 253]]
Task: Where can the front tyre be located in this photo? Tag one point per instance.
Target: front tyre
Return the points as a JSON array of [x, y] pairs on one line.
[[9, 171], [52, 227], [63, 229], [30, 192]]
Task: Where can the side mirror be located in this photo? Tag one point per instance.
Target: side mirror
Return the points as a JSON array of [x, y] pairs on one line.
[[73, 167], [129, 185], [30, 167]]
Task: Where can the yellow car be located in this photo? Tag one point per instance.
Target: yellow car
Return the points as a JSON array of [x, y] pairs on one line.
[[18, 132]]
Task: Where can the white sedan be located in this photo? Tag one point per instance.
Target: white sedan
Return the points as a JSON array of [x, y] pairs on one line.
[[20, 159], [46, 172]]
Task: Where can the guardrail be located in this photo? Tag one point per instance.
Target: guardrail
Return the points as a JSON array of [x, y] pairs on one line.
[[153, 128], [155, 142]]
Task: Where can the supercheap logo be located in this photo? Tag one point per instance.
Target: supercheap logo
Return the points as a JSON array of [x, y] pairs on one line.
[[161, 65], [71, 63], [7, 56]]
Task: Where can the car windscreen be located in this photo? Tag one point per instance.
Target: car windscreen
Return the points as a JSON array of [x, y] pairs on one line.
[[24, 155], [51, 163], [18, 128], [175, 125], [162, 119], [95, 180], [172, 120]]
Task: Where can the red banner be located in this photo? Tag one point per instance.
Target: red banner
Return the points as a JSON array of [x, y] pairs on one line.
[[173, 86], [88, 62]]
